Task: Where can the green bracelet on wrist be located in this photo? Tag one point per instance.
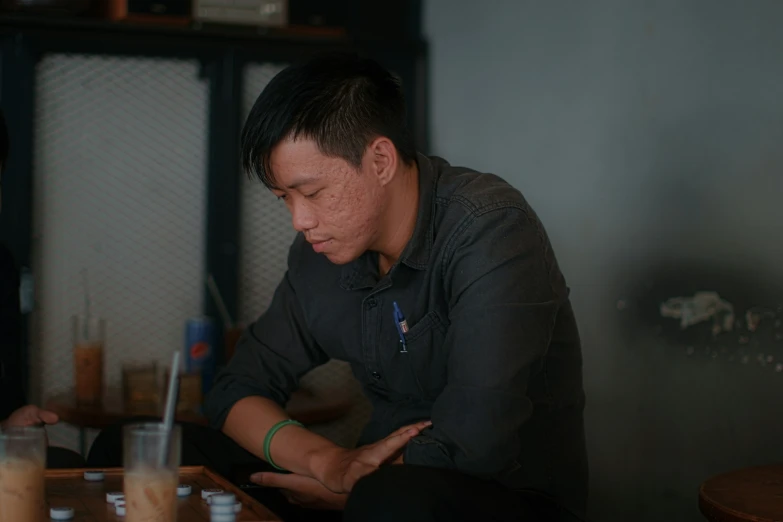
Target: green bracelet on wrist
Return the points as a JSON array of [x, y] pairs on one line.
[[268, 439]]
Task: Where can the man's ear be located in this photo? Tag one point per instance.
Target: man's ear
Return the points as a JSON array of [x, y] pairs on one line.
[[383, 158]]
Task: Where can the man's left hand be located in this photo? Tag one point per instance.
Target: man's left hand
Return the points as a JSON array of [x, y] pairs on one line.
[[30, 415], [340, 468], [302, 491]]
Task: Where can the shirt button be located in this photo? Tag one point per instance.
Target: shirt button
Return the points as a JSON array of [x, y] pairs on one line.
[[376, 375], [371, 304]]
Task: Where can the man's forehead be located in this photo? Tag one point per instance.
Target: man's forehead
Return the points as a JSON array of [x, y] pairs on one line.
[[295, 181], [290, 170]]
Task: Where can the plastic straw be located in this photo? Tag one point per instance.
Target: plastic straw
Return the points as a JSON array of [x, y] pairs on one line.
[[171, 406]]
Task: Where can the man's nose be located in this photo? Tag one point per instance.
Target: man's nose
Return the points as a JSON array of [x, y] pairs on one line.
[[302, 218]]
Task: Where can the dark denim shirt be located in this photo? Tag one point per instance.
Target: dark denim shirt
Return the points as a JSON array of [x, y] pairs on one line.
[[493, 352]]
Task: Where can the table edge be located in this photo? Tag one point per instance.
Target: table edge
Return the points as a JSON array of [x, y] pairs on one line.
[[254, 505]]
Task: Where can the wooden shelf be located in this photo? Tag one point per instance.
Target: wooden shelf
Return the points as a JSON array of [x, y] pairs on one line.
[[61, 23], [70, 30]]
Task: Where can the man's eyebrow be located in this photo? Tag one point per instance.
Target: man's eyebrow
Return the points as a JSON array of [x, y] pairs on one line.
[[304, 181]]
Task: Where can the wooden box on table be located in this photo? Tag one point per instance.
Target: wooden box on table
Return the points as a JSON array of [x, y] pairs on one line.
[[68, 488]]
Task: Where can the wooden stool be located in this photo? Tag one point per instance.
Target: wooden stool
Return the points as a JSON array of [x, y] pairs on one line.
[[748, 494]]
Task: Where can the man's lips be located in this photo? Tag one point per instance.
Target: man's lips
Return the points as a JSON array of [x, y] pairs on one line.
[[318, 244]]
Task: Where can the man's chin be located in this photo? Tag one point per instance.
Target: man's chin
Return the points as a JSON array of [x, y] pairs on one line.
[[339, 258]]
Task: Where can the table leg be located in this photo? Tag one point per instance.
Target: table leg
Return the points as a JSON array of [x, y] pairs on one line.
[[83, 441]]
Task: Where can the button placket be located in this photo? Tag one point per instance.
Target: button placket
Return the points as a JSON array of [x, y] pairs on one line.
[[370, 314]]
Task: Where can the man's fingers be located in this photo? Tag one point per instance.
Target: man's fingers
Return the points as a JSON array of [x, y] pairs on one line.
[[388, 447], [369, 458], [272, 479], [421, 426], [264, 479], [415, 426], [290, 481], [300, 490], [47, 417]]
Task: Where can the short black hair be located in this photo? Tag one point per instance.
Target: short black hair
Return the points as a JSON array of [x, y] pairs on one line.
[[4, 142], [339, 100]]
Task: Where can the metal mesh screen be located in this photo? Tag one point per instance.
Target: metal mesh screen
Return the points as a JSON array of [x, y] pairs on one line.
[[266, 237], [120, 181]]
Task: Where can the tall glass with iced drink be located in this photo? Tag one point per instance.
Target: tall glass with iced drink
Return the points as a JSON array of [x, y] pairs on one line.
[[151, 457], [22, 465], [89, 334]]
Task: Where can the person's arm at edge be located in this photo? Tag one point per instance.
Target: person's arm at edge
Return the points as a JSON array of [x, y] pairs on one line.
[[12, 396]]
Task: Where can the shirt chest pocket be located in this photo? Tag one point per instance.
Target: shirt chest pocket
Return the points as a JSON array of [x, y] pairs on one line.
[[421, 368]]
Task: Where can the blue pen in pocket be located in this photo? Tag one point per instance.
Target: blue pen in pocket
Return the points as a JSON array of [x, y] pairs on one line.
[[402, 327]]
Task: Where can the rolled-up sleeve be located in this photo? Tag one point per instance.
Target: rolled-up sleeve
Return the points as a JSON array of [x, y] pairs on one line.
[[505, 291], [269, 359]]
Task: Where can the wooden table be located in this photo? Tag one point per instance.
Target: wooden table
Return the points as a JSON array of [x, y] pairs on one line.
[[304, 406], [67, 488], [748, 494]]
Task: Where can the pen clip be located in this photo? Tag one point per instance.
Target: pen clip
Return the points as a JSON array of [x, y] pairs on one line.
[[402, 327]]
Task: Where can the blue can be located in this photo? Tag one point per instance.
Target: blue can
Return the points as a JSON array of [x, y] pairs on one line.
[[200, 338]]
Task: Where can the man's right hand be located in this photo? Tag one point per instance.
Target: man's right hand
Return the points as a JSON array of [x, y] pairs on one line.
[[339, 469]]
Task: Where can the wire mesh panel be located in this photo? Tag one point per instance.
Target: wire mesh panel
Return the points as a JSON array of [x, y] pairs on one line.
[[120, 195], [266, 224], [267, 234]]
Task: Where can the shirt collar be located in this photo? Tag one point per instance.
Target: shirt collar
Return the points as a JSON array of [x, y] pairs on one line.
[[416, 254]]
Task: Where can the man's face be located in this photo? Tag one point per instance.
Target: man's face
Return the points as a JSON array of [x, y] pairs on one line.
[[337, 207]]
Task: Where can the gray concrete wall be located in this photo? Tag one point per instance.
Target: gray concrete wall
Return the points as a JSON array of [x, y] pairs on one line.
[[648, 135]]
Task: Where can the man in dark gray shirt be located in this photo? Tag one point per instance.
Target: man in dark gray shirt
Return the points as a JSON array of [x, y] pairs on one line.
[[438, 284]]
